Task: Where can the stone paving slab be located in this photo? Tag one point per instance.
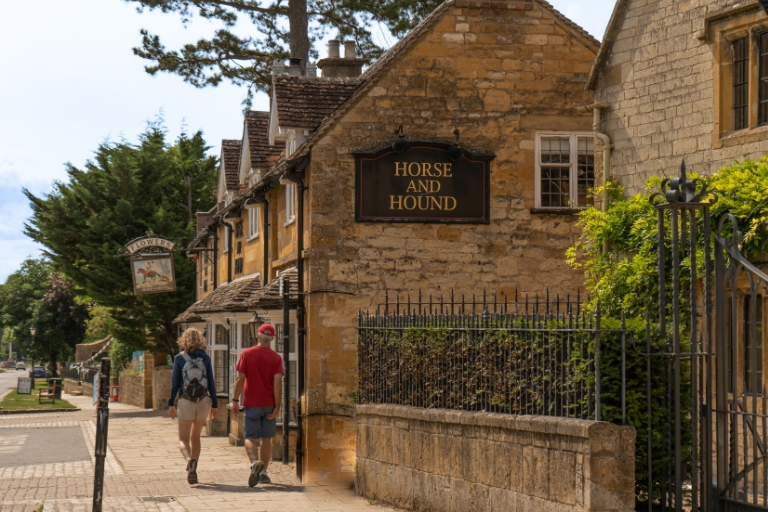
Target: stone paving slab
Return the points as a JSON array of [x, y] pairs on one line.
[[145, 472]]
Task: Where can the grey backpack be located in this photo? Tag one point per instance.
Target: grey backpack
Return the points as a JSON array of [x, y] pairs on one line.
[[194, 378]]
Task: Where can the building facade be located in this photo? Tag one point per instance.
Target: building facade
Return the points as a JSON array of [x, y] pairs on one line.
[[456, 162], [682, 80]]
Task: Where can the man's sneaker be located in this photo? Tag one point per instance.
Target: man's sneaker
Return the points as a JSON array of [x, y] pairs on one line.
[[264, 478], [256, 468], [192, 471]]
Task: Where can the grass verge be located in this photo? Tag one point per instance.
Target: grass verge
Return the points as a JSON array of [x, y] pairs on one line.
[[15, 401]]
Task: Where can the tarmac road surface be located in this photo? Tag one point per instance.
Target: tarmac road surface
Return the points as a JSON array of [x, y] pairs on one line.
[[8, 380]]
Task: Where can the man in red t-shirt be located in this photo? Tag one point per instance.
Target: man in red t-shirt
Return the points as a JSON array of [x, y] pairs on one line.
[[260, 371]]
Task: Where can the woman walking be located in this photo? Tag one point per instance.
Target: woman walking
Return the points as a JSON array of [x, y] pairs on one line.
[[193, 380]]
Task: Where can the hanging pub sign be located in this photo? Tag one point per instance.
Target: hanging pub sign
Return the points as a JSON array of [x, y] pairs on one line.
[[151, 266], [429, 182]]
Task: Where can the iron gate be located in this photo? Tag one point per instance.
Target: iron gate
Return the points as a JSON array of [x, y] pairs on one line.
[[720, 346]]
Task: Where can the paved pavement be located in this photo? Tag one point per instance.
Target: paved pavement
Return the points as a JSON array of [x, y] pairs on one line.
[[144, 470]]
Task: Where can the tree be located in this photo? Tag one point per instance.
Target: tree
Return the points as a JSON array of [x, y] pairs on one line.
[[247, 61], [124, 192], [60, 322], [20, 300]]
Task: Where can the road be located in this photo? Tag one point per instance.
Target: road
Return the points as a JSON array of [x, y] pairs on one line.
[[8, 380]]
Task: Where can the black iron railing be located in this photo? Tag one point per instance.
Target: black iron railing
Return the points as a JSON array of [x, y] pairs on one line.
[[531, 357], [80, 373]]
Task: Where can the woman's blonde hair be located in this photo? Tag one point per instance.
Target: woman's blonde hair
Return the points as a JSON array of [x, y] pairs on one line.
[[191, 340]]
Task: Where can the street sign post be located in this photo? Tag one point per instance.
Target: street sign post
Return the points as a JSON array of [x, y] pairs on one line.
[[101, 394]]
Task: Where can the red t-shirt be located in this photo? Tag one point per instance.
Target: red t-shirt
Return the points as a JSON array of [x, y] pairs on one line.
[[259, 365]]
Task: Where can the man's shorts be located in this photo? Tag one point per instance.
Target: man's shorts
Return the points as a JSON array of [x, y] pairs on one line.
[[256, 424], [187, 410]]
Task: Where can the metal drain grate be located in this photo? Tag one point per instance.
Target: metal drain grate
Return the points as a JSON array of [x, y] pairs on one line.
[[158, 499]]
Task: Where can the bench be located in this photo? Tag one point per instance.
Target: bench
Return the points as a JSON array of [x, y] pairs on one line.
[[48, 394]]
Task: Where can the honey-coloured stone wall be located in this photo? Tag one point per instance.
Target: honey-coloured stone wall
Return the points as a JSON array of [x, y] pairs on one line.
[[496, 71], [660, 87], [437, 460]]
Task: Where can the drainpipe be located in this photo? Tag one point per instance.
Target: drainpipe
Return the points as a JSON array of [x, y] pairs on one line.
[[597, 126], [230, 251], [212, 231], [297, 176]]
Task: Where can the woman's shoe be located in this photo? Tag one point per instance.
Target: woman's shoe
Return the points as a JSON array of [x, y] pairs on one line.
[[192, 471]]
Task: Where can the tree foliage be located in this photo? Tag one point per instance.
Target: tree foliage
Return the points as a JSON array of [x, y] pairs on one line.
[[279, 28], [36, 295], [124, 192], [625, 277]]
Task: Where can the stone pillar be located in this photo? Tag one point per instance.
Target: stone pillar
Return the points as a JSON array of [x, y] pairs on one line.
[[161, 387], [149, 367]]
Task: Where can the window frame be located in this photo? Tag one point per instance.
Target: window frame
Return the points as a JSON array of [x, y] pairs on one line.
[[290, 203], [253, 223], [573, 169]]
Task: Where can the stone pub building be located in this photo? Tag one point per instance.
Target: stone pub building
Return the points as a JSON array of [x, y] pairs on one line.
[[455, 161]]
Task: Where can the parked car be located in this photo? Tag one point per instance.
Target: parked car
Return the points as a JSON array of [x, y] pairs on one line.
[[21, 366], [8, 364], [38, 372]]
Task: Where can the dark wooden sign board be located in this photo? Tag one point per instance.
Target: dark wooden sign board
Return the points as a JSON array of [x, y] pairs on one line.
[[422, 185]]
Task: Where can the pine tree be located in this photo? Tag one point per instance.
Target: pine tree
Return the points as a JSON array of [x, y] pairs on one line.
[[123, 193], [247, 61]]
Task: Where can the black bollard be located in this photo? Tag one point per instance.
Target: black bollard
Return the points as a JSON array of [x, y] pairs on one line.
[[102, 422]]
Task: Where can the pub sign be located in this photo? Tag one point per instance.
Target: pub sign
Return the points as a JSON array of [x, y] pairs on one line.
[[422, 184]]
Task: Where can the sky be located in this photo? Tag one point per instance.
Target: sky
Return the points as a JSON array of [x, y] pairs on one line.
[[69, 81]]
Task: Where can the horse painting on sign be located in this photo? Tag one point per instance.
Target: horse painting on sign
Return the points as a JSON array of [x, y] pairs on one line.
[[153, 274]]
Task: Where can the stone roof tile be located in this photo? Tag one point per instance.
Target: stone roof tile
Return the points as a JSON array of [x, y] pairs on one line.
[[305, 102], [230, 156], [262, 154]]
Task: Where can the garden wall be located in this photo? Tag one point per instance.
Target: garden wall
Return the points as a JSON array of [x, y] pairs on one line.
[[441, 460], [132, 390]]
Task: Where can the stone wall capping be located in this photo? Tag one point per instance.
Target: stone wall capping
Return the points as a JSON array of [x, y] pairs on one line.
[[571, 427]]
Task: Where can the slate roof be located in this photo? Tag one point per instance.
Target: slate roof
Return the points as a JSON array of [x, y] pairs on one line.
[[268, 297], [230, 156], [242, 294], [305, 102], [225, 298], [262, 154]]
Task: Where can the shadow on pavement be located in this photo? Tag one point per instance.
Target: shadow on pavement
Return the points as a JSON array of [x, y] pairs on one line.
[[244, 488]]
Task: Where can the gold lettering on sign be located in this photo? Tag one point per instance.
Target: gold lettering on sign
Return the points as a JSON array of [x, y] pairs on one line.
[[426, 200], [422, 203]]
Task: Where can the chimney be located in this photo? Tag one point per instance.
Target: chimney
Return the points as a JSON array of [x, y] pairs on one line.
[[294, 69], [334, 66], [311, 69], [349, 50], [333, 49]]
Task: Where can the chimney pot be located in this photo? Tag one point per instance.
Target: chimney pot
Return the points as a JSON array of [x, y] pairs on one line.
[[349, 50], [333, 48], [278, 67], [295, 67]]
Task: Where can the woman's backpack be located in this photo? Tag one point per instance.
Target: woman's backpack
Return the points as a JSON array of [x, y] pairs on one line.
[[194, 378]]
